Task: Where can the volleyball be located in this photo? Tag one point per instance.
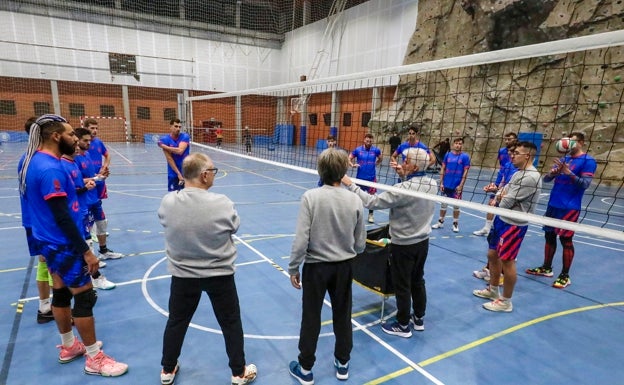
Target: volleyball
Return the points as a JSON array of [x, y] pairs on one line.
[[565, 145]]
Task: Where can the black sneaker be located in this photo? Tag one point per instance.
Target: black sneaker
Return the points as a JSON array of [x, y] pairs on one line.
[[417, 323], [44, 318]]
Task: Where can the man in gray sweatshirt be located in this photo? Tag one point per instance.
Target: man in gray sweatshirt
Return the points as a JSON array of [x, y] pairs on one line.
[[409, 233], [520, 194], [201, 255], [330, 233]]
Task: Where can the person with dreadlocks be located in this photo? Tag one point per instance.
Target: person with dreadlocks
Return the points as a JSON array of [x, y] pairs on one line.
[[56, 219]]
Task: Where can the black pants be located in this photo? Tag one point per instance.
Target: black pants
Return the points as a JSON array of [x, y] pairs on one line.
[[183, 300], [334, 278], [407, 266]]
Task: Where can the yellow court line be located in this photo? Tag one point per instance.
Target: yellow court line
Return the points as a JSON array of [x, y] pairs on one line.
[[489, 338]]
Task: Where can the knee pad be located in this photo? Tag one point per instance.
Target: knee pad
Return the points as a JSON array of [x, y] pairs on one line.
[[43, 275], [443, 206], [83, 304], [100, 227], [61, 297]]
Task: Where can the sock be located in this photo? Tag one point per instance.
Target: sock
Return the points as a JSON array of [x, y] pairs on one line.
[[488, 225], [494, 288], [103, 249], [92, 350], [67, 339], [44, 305], [303, 371], [504, 299]]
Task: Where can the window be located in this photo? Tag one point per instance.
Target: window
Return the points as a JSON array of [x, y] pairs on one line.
[[122, 64], [107, 110], [41, 108], [327, 119], [366, 117], [143, 113], [76, 109], [7, 107], [169, 113], [313, 119], [346, 119]]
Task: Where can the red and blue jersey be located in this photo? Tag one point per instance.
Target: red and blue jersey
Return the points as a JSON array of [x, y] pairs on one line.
[[567, 192], [454, 166], [98, 151], [47, 179], [367, 159], [76, 176], [403, 147], [23, 205], [503, 161], [169, 141], [87, 169]]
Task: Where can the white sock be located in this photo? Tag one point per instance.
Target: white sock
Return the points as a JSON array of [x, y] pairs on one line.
[[488, 224], [67, 339], [44, 305], [303, 371], [92, 350]]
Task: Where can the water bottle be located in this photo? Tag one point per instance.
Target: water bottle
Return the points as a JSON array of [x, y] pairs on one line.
[[385, 241]]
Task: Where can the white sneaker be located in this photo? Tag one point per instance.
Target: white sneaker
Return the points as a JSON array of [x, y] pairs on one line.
[[102, 283], [483, 274], [481, 232], [110, 254], [102, 264], [371, 219], [437, 225], [486, 293], [249, 375], [169, 378], [499, 305], [456, 227]]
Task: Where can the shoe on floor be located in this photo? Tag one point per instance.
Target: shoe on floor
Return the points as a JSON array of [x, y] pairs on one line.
[[483, 274], [371, 218], [499, 305], [43, 318], [562, 281], [456, 227], [437, 225], [295, 370], [169, 378], [248, 376], [110, 254], [68, 354], [486, 293], [342, 370], [105, 366], [541, 271], [482, 232], [102, 264], [417, 323], [102, 283], [396, 329]]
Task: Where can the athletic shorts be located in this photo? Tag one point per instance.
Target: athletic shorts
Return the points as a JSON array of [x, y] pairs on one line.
[[565, 214], [96, 212], [33, 244], [506, 239], [451, 193], [370, 190], [63, 261], [174, 184]]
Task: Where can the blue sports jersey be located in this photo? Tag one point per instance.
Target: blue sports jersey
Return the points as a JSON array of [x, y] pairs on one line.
[[97, 151], [454, 166], [23, 205], [87, 169], [76, 176], [566, 194], [503, 161], [46, 179], [403, 147], [366, 159], [169, 141], [507, 172]]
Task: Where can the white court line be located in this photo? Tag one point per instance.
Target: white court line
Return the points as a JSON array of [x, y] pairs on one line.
[[119, 153]]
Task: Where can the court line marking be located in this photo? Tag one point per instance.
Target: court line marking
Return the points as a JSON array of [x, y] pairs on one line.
[[489, 338], [119, 153]]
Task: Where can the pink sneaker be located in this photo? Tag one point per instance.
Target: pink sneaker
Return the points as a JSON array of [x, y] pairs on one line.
[[105, 366], [75, 351]]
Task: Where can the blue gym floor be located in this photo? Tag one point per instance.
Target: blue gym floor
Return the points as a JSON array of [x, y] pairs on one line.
[[570, 336]]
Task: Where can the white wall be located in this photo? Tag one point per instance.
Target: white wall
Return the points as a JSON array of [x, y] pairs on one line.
[[371, 36]]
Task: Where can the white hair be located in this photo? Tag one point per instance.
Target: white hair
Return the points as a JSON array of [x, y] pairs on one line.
[[418, 157]]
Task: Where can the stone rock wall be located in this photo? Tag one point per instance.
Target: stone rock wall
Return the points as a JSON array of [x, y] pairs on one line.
[[547, 97]]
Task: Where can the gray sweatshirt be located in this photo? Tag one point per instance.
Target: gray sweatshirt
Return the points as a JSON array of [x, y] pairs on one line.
[[521, 194], [330, 227], [198, 233], [410, 217]]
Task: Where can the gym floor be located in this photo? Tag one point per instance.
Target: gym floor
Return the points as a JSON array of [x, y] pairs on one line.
[[569, 336]]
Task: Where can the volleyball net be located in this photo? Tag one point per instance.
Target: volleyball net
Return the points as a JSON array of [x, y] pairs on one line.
[[541, 93]]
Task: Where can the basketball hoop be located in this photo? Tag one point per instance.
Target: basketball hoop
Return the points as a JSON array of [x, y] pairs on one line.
[[297, 104]]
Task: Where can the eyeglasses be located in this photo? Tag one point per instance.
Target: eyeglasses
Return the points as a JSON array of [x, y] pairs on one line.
[[516, 153], [213, 171]]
